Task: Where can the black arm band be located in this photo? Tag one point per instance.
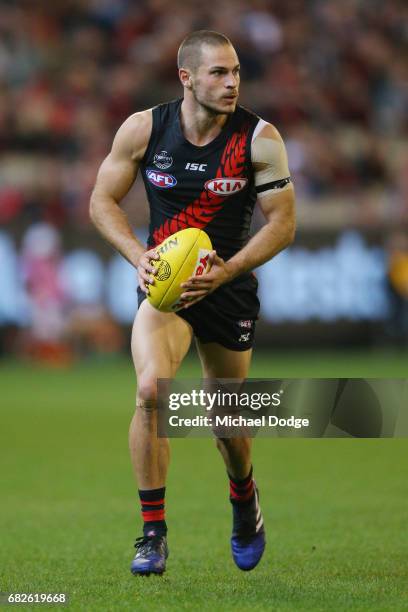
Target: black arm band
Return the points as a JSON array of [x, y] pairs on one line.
[[273, 185]]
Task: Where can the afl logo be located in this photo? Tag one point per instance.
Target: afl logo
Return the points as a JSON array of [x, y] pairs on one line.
[[163, 270], [225, 186], [162, 160], [160, 179]]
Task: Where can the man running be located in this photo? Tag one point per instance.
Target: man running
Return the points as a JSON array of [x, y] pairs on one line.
[[189, 151]]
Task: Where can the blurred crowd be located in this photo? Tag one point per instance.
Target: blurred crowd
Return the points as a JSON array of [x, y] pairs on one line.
[[333, 77]]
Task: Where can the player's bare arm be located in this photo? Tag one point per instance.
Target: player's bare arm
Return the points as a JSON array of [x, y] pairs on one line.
[[116, 176], [276, 198]]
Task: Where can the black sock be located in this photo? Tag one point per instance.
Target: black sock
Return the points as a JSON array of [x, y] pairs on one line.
[[241, 490], [153, 512]]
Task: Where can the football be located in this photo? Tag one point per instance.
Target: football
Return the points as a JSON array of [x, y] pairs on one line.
[[183, 254]]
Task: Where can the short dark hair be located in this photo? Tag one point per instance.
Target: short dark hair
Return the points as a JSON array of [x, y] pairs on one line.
[[189, 52]]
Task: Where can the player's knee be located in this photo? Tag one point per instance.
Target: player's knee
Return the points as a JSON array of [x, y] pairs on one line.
[[146, 406], [147, 390]]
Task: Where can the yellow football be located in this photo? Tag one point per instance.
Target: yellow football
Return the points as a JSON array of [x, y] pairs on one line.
[[183, 254]]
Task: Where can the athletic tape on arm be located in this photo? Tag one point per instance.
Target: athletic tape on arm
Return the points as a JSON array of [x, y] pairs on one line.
[[270, 153]]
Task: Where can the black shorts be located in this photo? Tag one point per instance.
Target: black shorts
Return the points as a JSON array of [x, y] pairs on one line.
[[226, 316]]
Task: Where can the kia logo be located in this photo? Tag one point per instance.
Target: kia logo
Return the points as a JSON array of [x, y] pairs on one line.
[[225, 186]]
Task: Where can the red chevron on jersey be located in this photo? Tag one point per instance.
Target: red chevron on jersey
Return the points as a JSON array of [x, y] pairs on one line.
[[203, 209]]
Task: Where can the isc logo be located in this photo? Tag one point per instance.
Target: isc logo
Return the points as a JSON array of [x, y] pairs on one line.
[[225, 186], [194, 166], [161, 179]]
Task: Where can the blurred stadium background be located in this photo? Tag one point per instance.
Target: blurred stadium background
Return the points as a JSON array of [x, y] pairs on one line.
[[333, 77]]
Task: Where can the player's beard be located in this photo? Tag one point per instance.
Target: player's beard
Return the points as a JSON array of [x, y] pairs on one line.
[[209, 106]]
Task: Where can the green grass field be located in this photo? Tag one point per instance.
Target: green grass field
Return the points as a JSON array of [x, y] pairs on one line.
[[335, 510]]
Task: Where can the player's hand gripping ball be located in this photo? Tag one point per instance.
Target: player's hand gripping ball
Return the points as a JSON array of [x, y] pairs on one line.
[[183, 254]]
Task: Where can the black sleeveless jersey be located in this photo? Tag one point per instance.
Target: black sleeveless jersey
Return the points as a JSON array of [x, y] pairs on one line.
[[210, 187]]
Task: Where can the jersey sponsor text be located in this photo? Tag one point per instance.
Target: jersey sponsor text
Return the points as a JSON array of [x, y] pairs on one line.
[[226, 186]]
